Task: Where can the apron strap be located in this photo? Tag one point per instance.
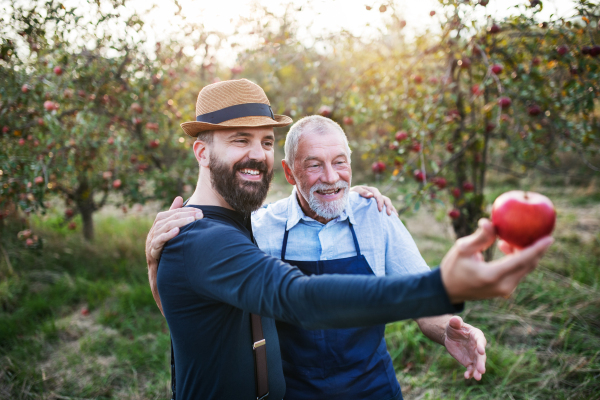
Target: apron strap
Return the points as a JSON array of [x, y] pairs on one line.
[[355, 239], [261, 372], [284, 246], [172, 372]]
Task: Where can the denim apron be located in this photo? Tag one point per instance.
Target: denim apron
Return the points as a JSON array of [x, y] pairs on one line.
[[336, 364]]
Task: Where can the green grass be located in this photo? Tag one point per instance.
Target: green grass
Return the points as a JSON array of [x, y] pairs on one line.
[[543, 342]]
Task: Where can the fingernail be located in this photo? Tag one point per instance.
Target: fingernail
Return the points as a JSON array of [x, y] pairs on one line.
[[191, 219], [199, 215]]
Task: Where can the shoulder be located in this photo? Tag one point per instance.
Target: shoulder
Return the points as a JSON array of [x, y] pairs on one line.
[[364, 208], [270, 214]]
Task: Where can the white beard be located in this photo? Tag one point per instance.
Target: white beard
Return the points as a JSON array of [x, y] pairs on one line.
[[327, 209]]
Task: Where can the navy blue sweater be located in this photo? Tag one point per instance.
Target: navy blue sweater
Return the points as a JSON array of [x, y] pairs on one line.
[[212, 276]]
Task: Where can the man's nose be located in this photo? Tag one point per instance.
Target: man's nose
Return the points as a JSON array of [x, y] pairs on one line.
[[329, 176], [257, 152]]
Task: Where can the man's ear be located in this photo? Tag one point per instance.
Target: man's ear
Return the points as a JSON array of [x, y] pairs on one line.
[[288, 173], [202, 153]]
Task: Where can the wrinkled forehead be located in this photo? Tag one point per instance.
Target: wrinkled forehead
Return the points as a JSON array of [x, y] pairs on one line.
[[325, 144]]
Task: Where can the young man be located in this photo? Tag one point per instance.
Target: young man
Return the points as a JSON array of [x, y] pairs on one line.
[[212, 275]]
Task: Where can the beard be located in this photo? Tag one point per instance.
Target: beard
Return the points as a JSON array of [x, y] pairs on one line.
[[326, 209], [243, 196]]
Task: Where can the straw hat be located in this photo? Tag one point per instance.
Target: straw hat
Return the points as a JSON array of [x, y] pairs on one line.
[[233, 104]]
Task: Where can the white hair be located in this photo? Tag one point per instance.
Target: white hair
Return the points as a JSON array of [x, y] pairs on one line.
[[312, 123]]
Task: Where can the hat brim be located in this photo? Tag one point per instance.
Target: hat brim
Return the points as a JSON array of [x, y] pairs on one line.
[[193, 128]]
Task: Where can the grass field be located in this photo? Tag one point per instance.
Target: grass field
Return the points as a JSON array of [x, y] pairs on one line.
[[543, 342]]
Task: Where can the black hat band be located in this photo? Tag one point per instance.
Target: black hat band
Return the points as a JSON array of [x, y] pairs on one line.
[[238, 111]]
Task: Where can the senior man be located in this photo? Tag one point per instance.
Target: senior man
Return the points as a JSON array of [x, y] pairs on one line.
[[213, 280], [322, 228]]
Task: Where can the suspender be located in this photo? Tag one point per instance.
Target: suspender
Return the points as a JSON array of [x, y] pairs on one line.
[[261, 372]]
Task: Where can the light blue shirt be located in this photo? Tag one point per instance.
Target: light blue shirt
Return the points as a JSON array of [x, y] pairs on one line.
[[383, 239]]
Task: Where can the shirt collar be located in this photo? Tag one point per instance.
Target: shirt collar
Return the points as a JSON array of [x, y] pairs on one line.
[[295, 213]]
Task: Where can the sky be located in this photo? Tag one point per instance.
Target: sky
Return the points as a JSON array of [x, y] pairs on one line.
[[323, 16]]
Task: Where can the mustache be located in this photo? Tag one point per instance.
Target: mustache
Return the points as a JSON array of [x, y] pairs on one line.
[[251, 164], [322, 186]]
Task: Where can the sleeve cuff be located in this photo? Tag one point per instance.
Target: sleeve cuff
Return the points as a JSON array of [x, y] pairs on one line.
[[453, 308]]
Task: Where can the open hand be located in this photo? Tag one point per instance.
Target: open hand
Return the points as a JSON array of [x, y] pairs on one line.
[[467, 345]]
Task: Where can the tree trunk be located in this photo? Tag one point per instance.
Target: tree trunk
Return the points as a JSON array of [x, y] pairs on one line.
[[88, 222], [85, 204]]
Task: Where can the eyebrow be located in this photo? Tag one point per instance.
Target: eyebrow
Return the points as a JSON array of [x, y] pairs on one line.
[[246, 134], [310, 158]]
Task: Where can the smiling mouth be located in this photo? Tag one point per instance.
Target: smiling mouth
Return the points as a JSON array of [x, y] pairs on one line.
[[328, 192], [249, 172]]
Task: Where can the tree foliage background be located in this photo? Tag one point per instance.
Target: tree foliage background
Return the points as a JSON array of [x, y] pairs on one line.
[[88, 111]]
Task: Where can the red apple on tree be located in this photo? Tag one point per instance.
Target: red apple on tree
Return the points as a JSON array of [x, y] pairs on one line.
[[562, 50], [419, 175], [536, 61], [72, 225], [521, 218], [69, 212], [378, 167], [468, 187], [504, 102], [431, 13], [5, 129], [348, 121], [497, 68], [58, 70], [39, 180], [418, 79], [111, 140], [440, 182], [401, 135], [49, 105], [136, 107], [154, 143], [494, 28], [454, 213], [116, 183], [456, 193], [25, 88], [465, 63], [534, 110], [325, 111], [21, 142], [416, 147], [450, 147]]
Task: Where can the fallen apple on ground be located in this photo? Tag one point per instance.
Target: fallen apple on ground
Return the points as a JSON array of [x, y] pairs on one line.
[[521, 218]]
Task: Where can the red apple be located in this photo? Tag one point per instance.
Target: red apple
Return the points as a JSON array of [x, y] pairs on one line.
[[433, 80], [136, 107], [454, 213], [595, 51], [476, 90], [325, 111], [419, 175], [504, 102], [21, 142], [521, 218], [393, 146], [81, 93], [237, 70], [431, 13], [483, 2], [153, 126], [494, 28], [5, 129], [534, 110], [382, 8], [465, 63], [416, 147], [586, 50], [490, 127], [154, 143], [111, 140], [468, 187], [116, 183], [536, 61], [497, 68], [401, 135], [58, 70], [39, 180], [562, 50], [450, 147], [456, 193], [25, 88], [378, 167], [418, 79], [40, 121], [348, 121], [85, 312], [136, 121], [440, 182], [69, 212], [49, 105], [29, 242]]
